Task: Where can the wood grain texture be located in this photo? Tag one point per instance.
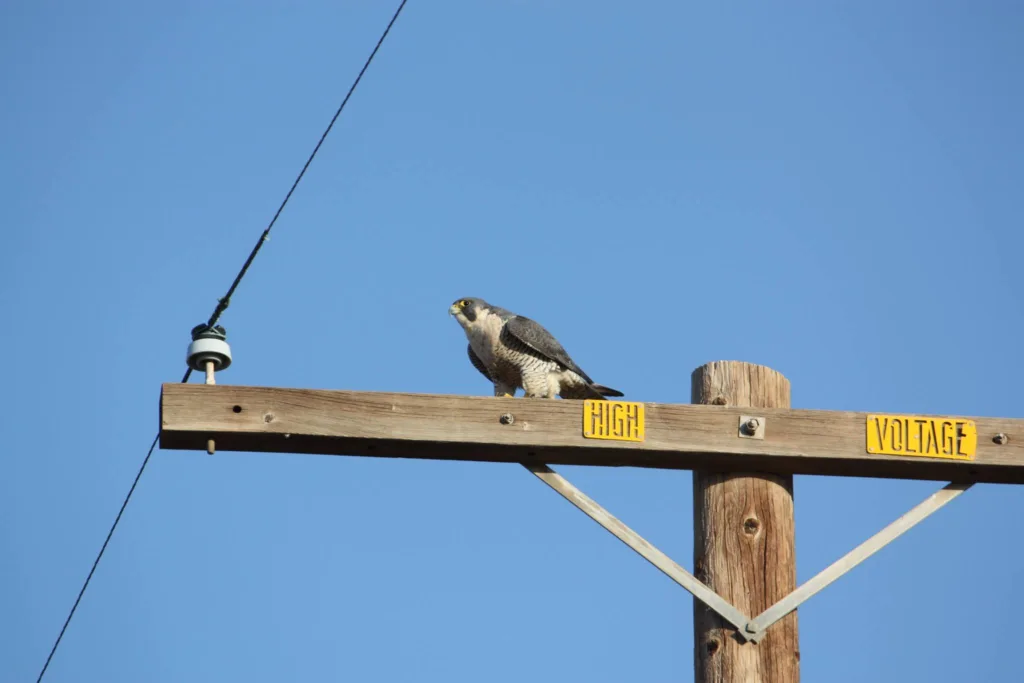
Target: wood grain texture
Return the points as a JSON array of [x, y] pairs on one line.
[[678, 436], [743, 542]]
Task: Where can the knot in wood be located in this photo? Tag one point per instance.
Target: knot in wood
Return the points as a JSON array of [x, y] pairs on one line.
[[700, 570], [268, 418], [712, 645], [719, 401], [751, 526]]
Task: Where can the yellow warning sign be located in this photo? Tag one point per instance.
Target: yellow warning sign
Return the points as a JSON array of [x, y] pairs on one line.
[[615, 420], [927, 437]]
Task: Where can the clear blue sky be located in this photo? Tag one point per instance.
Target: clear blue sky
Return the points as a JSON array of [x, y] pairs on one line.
[[830, 189]]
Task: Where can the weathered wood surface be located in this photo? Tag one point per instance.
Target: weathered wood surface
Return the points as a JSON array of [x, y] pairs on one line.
[[678, 436], [743, 542]]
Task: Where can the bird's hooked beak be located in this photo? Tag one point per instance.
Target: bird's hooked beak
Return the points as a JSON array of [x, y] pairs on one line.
[[457, 306]]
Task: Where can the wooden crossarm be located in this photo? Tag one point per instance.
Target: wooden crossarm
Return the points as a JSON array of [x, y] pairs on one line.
[[675, 436]]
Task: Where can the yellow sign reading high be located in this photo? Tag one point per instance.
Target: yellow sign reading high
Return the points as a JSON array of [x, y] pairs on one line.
[[615, 420]]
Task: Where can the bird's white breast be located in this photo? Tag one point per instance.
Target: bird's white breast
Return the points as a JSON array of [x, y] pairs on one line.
[[483, 336]]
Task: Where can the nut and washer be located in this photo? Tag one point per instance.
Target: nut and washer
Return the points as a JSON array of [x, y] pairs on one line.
[[751, 427]]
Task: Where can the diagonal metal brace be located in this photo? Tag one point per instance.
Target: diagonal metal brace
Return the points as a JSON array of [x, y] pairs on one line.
[[659, 559], [747, 629], [763, 621]]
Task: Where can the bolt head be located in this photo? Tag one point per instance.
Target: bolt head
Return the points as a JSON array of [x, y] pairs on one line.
[[1001, 438], [507, 419]]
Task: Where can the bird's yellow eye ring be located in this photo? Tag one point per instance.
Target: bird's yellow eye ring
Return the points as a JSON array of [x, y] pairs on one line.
[[463, 303]]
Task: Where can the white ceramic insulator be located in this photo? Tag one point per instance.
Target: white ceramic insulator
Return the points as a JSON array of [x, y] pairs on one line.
[[202, 350]]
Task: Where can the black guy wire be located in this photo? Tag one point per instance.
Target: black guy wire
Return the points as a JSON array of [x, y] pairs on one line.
[[222, 305], [224, 302], [96, 562]]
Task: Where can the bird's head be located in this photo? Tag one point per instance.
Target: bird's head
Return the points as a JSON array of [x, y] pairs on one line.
[[467, 310]]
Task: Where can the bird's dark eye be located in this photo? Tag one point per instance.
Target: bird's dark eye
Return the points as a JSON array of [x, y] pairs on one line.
[[463, 303]]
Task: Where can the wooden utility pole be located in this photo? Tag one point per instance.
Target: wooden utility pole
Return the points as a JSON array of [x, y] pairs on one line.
[[743, 539], [739, 435]]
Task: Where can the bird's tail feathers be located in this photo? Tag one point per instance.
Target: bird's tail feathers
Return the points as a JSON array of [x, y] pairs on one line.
[[603, 391]]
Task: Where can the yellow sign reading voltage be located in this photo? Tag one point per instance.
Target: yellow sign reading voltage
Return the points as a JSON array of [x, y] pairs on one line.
[[615, 420], [927, 437]]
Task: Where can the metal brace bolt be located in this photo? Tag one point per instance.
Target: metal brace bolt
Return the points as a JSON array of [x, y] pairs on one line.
[[751, 427], [1001, 439], [507, 419]]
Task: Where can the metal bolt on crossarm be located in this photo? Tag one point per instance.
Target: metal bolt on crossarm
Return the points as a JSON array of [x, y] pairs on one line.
[[209, 352]]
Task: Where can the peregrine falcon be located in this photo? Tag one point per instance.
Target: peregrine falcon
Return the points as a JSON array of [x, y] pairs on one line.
[[514, 352]]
